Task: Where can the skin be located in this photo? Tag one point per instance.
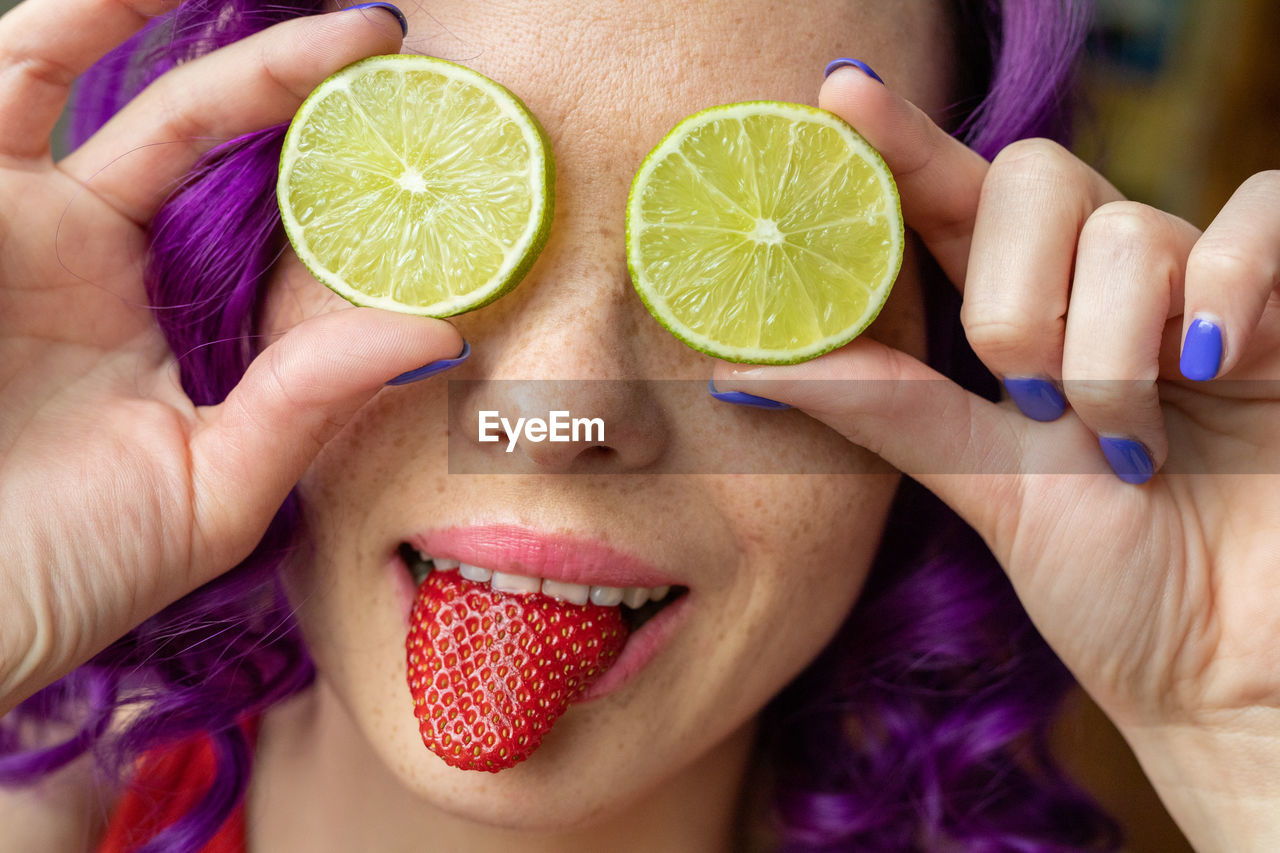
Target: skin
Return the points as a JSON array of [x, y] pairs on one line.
[[754, 550], [1160, 597]]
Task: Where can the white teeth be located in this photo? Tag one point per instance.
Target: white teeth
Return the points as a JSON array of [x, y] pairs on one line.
[[606, 596], [634, 597], [574, 593], [474, 573], [519, 584]]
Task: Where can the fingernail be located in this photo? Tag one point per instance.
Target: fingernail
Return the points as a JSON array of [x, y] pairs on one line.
[[856, 63], [741, 398], [433, 368], [1036, 398], [393, 9], [1201, 351], [1128, 458]]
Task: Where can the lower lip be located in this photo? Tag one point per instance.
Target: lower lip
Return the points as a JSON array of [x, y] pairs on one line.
[[404, 586], [640, 648]]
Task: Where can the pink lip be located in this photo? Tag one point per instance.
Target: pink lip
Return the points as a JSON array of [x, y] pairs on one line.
[[520, 551], [640, 648]]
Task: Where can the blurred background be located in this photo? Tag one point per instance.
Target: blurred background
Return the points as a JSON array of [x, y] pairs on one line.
[[1182, 99]]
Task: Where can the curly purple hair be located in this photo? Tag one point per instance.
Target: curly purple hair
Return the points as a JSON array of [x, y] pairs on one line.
[[922, 726]]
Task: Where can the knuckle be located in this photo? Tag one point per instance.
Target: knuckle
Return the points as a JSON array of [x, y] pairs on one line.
[[1127, 243], [281, 376], [1123, 223], [1226, 263], [299, 392], [1033, 162], [994, 337], [1106, 400], [1009, 341], [274, 67], [142, 10], [280, 394], [173, 116], [45, 69], [924, 157]]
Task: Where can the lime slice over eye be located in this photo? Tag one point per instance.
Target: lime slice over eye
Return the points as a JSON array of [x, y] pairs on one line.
[[764, 232], [416, 185]]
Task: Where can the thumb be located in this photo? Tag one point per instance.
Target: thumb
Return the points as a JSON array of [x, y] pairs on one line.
[[250, 450], [965, 449]]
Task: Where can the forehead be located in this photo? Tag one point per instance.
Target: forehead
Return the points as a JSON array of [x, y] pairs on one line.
[[628, 70]]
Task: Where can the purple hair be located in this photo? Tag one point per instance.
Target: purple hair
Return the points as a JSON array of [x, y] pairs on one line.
[[923, 726]]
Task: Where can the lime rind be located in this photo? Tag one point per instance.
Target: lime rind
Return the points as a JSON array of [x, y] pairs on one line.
[[459, 293], [722, 202]]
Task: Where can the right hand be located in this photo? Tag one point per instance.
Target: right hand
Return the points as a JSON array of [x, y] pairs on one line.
[[117, 495], [1161, 598]]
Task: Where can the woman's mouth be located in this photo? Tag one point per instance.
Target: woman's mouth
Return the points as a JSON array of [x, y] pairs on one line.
[[496, 655], [639, 604]]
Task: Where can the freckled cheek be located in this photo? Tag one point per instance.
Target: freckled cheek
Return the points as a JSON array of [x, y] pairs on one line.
[[811, 540], [805, 546], [348, 609]]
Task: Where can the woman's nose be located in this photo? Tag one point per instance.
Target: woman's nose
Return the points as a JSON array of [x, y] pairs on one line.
[[558, 426], [562, 385]]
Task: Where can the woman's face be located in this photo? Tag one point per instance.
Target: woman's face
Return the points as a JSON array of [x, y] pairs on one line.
[[771, 562]]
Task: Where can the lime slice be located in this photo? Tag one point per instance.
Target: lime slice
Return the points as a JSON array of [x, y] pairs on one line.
[[764, 232], [416, 185]]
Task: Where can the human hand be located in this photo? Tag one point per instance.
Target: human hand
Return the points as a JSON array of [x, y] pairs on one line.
[[118, 496], [1163, 598]]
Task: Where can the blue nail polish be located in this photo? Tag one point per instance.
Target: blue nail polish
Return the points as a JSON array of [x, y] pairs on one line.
[[741, 398], [1036, 398], [433, 368], [1201, 351], [855, 63], [1128, 458], [393, 9]]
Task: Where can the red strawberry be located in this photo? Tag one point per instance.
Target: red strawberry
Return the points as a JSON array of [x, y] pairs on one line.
[[490, 672]]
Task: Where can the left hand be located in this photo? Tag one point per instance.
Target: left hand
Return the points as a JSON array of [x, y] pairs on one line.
[[1163, 597]]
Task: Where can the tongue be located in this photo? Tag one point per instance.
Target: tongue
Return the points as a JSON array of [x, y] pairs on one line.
[[491, 672]]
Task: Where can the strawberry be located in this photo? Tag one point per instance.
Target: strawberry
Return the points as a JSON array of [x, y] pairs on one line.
[[490, 672]]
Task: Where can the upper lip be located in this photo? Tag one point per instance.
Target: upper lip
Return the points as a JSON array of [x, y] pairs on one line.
[[521, 551]]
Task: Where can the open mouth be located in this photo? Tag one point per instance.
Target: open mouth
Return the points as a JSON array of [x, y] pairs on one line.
[[638, 604]]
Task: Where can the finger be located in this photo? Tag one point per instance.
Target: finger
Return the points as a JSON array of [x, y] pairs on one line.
[[1035, 201], [1128, 283], [925, 426], [134, 160], [250, 450], [939, 179], [44, 46], [1232, 271]]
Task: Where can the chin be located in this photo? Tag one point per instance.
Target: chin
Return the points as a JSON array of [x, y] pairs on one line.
[[575, 779]]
